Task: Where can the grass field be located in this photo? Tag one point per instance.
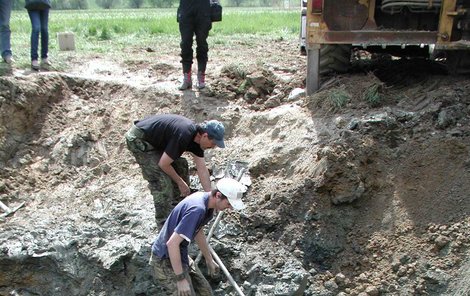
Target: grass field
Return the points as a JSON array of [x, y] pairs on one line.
[[108, 31]]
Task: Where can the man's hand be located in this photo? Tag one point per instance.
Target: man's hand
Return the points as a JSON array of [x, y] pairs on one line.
[[184, 189], [183, 288], [213, 268]]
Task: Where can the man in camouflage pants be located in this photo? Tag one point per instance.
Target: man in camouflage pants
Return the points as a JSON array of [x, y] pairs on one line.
[[164, 274], [157, 143]]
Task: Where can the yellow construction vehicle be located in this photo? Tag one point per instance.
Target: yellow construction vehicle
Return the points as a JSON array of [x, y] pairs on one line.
[[404, 28]]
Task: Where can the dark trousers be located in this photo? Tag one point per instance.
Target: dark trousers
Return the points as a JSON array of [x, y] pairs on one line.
[[190, 26]]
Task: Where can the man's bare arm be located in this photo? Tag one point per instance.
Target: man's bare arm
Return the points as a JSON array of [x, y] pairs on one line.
[[165, 164], [202, 172]]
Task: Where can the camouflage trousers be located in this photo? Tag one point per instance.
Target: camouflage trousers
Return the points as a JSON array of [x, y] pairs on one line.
[[165, 192], [165, 277]]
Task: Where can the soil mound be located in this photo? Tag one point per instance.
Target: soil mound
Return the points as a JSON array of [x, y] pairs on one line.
[[359, 189]]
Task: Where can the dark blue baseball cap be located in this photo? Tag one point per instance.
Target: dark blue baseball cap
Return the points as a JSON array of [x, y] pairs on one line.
[[216, 130]]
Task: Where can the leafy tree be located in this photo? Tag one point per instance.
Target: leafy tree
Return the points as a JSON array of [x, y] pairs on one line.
[[162, 3], [107, 4], [69, 4], [136, 3], [236, 3], [270, 3], [17, 4], [56, 4]]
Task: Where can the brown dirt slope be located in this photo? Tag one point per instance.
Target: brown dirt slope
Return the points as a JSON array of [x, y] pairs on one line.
[[359, 189]]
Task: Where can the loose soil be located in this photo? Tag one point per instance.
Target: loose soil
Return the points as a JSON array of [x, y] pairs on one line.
[[359, 189]]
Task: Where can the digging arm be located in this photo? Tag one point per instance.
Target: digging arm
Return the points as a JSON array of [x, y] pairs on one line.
[[203, 173], [173, 245], [203, 245], [165, 164]]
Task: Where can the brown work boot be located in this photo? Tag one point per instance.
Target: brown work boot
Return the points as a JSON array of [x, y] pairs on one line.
[[201, 80], [187, 82]]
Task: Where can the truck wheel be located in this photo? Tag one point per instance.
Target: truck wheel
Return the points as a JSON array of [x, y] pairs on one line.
[[335, 58], [327, 58], [458, 61]]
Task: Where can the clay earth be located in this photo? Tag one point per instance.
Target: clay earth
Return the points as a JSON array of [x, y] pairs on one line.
[[359, 189]]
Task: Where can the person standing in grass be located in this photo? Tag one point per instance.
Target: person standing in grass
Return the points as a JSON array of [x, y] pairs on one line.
[[194, 20], [38, 11], [5, 32]]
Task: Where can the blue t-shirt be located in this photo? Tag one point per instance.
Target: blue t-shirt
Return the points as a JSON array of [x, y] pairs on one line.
[[186, 219]]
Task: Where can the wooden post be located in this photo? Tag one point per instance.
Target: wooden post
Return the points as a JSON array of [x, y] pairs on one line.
[[66, 41]]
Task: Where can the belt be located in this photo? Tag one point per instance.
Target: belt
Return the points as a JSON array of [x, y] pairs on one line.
[[137, 132]]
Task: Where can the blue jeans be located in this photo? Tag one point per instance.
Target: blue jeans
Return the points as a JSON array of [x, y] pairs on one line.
[[5, 32], [39, 23]]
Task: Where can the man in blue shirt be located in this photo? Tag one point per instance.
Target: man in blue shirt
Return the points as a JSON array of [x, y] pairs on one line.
[[173, 269], [158, 142]]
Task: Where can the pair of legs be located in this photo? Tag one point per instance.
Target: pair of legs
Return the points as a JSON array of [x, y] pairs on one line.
[[5, 32], [189, 27], [39, 26], [164, 274], [164, 191]]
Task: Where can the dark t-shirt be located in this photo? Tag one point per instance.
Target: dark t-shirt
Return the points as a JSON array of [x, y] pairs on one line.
[[186, 219], [170, 133], [194, 8]]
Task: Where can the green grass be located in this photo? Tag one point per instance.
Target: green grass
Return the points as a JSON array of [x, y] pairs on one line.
[[338, 98], [372, 95], [111, 31], [163, 21]]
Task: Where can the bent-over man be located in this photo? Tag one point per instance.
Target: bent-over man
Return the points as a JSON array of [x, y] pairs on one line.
[[173, 268], [157, 142]]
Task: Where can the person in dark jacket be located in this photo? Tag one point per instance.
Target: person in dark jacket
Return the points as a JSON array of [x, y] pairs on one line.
[[194, 20], [158, 142]]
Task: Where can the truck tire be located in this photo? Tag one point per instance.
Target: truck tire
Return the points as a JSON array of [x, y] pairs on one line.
[[458, 61], [335, 58]]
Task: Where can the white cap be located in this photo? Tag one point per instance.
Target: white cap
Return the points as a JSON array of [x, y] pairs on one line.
[[233, 190]]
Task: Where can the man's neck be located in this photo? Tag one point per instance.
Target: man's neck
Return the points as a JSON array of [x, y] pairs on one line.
[[212, 201], [197, 138]]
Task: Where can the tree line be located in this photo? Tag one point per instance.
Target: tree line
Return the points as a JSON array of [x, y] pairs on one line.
[[109, 4], [106, 4]]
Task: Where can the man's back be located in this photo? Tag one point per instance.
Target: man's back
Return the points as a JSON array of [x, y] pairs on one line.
[[170, 133], [186, 219]]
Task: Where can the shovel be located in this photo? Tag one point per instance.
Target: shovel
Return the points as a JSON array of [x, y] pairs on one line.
[[216, 257], [9, 211]]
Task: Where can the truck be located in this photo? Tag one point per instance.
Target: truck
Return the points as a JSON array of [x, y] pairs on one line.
[[331, 30]]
